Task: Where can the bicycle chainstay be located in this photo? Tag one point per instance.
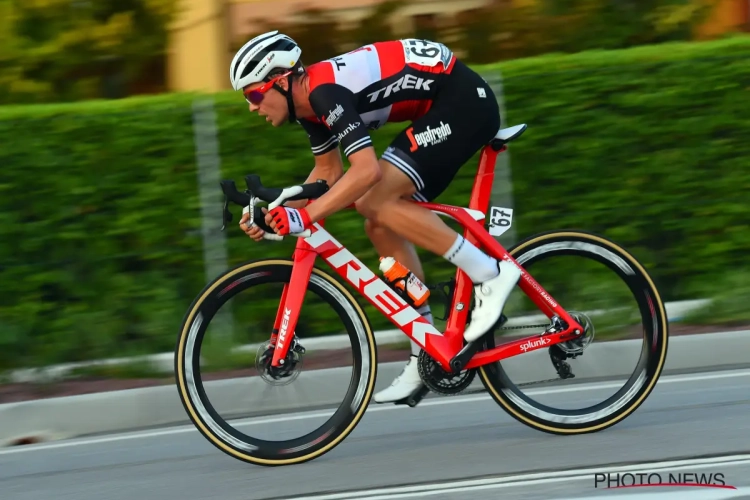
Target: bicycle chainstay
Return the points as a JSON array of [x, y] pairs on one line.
[[560, 365]]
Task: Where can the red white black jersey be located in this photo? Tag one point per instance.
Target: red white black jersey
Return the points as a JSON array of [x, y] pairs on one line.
[[392, 81]]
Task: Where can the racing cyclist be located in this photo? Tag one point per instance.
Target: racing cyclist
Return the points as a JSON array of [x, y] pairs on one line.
[[452, 113]]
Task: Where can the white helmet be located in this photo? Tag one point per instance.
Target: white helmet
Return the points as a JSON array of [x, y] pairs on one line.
[[258, 57]]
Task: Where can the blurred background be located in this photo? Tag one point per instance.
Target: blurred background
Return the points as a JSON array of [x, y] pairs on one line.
[[117, 124]]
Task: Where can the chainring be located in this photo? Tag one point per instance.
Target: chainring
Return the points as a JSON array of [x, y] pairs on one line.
[[440, 381]]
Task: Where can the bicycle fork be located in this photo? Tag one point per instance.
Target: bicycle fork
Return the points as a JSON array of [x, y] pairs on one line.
[[292, 298]]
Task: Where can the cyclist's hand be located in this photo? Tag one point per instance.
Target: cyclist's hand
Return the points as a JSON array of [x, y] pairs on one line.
[[284, 220], [253, 231]]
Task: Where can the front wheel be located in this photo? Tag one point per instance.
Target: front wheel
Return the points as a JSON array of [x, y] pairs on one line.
[[618, 286], [349, 317]]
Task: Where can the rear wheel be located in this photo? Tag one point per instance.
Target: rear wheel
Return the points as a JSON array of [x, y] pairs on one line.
[[648, 313], [204, 414]]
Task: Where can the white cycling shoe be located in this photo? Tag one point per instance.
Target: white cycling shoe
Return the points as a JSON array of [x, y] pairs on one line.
[[490, 298], [403, 386]]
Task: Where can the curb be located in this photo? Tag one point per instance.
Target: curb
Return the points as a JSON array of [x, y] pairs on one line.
[[165, 361], [117, 411]]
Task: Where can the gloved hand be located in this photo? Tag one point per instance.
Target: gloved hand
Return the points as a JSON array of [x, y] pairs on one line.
[[285, 220]]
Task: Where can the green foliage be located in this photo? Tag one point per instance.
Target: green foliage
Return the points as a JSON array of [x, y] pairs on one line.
[[100, 248], [503, 30], [58, 50], [607, 24], [98, 210]]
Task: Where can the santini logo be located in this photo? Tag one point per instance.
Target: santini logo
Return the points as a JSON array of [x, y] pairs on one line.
[[533, 344]]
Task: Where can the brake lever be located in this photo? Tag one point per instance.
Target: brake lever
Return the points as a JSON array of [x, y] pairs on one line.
[[270, 236], [227, 215]]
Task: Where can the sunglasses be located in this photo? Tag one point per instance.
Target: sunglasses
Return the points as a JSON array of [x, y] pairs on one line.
[[255, 96]]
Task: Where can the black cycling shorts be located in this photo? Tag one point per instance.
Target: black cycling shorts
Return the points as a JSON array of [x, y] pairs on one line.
[[463, 118]]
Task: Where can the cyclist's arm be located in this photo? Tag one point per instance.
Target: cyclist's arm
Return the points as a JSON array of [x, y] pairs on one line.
[[337, 104], [328, 162]]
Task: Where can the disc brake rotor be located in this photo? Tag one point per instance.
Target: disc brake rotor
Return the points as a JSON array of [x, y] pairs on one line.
[[287, 372]]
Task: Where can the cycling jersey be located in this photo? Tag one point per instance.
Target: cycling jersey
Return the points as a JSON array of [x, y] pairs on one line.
[[391, 81]]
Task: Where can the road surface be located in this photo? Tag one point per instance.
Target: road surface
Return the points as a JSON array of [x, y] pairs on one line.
[[444, 440]]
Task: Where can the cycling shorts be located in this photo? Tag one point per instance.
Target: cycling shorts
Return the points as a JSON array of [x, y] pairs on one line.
[[463, 118]]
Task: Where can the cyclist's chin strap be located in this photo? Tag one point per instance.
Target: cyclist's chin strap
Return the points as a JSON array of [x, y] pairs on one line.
[[289, 102]]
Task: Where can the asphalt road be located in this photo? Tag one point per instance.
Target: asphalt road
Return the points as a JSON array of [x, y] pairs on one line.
[[441, 441]]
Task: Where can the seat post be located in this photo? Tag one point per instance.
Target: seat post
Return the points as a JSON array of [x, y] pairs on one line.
[[482, 189]]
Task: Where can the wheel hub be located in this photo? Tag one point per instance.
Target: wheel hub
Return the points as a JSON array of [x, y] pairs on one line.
[[576, 346], [289, 369]]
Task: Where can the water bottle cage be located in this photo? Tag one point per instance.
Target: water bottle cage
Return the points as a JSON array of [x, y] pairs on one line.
[[401, 292], [446, 289]]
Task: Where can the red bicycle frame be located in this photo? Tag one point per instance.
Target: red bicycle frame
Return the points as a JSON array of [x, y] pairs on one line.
[[441, 346]]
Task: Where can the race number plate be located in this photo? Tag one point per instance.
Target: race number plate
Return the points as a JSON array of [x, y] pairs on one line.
[[500, 220]]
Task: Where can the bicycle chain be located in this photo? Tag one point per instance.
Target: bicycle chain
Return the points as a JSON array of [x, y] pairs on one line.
[[525, 327], [545, 325]]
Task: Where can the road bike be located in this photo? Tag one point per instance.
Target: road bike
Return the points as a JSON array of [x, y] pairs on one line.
[[447, 364]]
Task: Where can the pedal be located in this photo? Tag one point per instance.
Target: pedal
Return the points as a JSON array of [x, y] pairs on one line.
[[415, 398]]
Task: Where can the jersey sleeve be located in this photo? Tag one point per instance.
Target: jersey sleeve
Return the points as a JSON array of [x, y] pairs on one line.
[[335, 106], [321, 138]]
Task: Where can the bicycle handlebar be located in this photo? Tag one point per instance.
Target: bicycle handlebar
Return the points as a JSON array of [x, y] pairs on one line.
[[277, 196], [274, 196]]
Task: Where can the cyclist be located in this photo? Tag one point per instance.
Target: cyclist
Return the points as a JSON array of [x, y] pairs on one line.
[[453, 114]]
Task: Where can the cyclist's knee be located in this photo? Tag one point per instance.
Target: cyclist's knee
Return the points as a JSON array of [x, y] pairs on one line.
[[371, 228], [366, 208]]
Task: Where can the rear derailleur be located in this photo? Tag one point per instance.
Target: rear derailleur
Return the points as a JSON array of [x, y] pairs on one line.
[[569, 349], [289, 369]]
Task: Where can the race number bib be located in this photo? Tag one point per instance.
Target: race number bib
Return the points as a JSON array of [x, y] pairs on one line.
[[426, 53]]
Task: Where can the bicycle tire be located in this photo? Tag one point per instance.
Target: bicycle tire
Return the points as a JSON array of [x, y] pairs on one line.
[[602, 415], [237, 444]]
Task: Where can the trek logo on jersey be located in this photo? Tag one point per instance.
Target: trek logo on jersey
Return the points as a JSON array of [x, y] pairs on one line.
[[352, 126], [405, 82], [429, 137], [334, 115]]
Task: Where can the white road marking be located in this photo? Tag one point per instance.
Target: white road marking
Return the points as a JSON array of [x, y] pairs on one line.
[[672, 379], [537, 478]]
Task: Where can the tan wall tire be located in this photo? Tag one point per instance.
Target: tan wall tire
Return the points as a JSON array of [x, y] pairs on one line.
[[213, 427], [653, 356]]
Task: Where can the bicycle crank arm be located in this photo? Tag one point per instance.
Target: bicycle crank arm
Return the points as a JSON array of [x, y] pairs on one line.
[[415, 398], [469, 350]]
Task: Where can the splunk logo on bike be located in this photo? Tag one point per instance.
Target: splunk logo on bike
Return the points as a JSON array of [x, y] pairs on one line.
[[661, 479], [533, 344]]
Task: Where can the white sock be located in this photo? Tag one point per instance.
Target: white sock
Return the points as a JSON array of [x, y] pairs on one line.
[[475, 263], [425, 312]]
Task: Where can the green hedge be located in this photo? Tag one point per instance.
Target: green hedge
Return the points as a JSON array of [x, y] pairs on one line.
[[100, 248]]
